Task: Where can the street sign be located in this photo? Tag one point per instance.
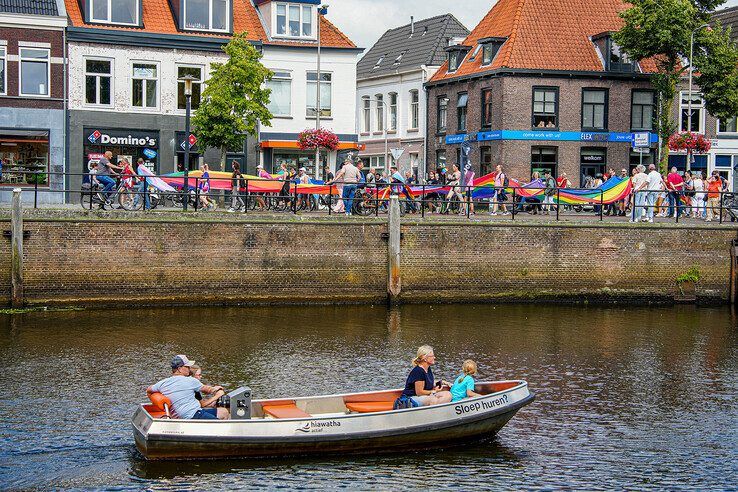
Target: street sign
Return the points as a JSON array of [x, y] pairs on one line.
[[641, 139], [397, 153]]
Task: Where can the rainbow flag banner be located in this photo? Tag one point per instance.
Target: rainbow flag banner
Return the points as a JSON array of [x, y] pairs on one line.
[[611, 191]]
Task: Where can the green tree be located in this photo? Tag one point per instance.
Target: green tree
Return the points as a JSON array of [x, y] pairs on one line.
[[234, 100], [661, 30]]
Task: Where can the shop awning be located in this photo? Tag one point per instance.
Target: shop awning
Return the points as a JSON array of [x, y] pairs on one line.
[[291, 144]]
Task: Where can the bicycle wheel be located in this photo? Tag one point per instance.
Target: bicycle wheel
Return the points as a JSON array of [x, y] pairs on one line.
[[85, 199], [127, 200]]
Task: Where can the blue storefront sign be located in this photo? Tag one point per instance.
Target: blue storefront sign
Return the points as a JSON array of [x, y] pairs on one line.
[[547, 135]]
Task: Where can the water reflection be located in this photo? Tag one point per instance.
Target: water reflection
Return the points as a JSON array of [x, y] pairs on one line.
[[619, 392]]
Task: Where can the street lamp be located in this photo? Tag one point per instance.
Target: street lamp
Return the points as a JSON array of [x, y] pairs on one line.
[[384, 127], [689, 101], [322, 10], [187, 80]]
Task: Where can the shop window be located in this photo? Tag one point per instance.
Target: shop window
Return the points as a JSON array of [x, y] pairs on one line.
[[366, 114], [145, 85], [280, 100], [724, 161], [293, 20], [325, 94], [197, 73], [487, 108], [414, 110], [678, 161], [594, 109], [3, 72], [543, 158], [115, 11], [642, 110], [592, 161], [698, 112], [34, 72], [461, 108], [728, 125], [380, 112], [392, 118], [442, 114], [98, 82], [206, 15], [545, 107], [22, 151]]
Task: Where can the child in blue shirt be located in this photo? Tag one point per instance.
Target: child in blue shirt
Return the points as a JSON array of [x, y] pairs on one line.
[[463, 386]]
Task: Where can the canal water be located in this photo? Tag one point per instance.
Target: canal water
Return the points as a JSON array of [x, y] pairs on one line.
[[642, 398]]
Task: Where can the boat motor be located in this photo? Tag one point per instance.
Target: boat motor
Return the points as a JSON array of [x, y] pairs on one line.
[[239, 402]]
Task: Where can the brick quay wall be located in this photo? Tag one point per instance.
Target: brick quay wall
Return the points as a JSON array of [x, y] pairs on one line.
[[105, 262]]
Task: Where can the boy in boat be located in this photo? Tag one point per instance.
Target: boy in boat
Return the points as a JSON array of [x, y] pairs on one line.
[[463, 386], [180, 388]]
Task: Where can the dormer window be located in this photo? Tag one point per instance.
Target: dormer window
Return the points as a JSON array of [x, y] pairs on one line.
[[612, 57], [125, 12], [490, 48], [206, 15], [294, 21], [456, 55]]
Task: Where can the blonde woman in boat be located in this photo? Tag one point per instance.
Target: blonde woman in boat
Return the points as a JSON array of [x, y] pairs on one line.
[[420, 385]]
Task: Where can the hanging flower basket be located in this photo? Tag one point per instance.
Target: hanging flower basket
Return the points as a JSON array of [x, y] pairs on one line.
[[695, 143], [312, 139]]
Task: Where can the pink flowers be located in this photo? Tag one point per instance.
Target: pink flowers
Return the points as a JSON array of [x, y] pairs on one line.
[[696, 143], [312, 139]]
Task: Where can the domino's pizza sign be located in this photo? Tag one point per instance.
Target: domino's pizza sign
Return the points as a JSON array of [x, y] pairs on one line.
[[94, 136]]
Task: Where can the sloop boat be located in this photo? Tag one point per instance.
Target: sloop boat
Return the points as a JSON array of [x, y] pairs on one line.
[[353, 423]]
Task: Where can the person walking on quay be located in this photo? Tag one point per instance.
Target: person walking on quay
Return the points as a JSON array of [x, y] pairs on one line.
[[143, 185], [688, 193], [675, 187], [237, 183], [204, 185], [698, 201], [339, 206], [655, 187], [349, 175], [640, 184], [452, 180], [550, 184], [500, 196], [714, 187]]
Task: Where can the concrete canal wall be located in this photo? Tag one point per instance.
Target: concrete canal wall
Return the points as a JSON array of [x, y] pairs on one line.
[[102, 262]]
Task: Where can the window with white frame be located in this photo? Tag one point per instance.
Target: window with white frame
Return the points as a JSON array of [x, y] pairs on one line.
[[366, 114], [280, 100], [206, 15], [728, 125], [380, 112], [197, 73], [115, 11], [392, 118], [145, 85], [34, 71], [414, 109], [98, 82], [698, 112], [325, 94], [3, 71], [294, 20]]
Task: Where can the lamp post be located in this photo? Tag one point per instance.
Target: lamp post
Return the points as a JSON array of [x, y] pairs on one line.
[[689, 101], [322, 10], [384, 127], [187, 80]]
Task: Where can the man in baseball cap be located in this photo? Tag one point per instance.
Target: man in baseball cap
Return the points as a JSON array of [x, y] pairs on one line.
[[180, 388]]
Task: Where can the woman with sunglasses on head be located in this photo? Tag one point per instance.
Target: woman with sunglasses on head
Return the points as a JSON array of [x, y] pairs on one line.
[[421, 386]]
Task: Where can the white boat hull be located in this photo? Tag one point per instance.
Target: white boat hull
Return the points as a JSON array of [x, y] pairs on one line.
[[399, 430]]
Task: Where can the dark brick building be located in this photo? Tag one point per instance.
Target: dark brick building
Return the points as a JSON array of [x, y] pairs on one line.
[[541, 85], [32, 92]]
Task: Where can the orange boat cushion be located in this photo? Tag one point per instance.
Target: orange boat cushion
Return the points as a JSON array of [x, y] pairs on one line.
[[289, 411], [370, 406], [159, 400]]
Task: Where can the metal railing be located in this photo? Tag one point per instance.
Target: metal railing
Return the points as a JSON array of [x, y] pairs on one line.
[[369, 199]]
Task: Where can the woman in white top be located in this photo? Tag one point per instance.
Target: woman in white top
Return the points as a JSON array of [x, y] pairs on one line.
[[698, 201]]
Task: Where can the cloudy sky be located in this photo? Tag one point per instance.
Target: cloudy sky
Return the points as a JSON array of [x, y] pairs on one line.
[[364, 21]]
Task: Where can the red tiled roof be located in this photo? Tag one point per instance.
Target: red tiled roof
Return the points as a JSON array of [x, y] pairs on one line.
[[545, 35], [159, 19]]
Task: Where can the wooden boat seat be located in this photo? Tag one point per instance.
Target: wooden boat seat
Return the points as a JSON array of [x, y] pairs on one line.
[[285, 411], [370, 406]]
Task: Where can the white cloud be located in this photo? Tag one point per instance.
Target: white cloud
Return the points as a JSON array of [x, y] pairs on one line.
[[364, 21]]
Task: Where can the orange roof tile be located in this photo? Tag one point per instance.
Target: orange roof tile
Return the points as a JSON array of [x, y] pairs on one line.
[[159, 19], [545, 35]]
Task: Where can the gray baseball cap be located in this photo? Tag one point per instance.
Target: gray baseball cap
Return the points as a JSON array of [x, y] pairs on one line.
[[181, 361]]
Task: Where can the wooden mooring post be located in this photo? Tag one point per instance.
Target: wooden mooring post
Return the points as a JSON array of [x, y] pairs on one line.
[[16, 250], [394, 280], [734, 273]]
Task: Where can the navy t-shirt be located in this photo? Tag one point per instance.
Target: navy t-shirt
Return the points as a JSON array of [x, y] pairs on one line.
[[418, 374]]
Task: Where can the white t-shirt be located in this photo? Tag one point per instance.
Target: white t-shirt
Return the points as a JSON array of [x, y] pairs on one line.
[[655, 181], [698, 184], [639, 179]]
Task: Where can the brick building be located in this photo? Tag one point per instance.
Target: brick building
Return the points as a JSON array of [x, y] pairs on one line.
[[541, 85], [32, 92]]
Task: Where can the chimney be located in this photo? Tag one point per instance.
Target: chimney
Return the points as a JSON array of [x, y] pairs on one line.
[[412, 24]]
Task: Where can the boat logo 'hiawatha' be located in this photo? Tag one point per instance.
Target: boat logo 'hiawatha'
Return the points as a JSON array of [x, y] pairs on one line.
[[317, 426]]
